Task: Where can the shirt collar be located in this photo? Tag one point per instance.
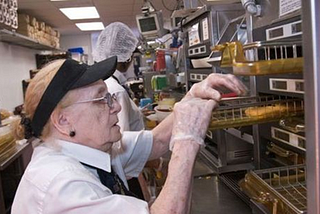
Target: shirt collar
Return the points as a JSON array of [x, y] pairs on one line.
[[85, 154], [121, 78]]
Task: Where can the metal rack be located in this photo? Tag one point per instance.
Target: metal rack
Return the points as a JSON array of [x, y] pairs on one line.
[[262, 57], [281, 190], [254, 110]]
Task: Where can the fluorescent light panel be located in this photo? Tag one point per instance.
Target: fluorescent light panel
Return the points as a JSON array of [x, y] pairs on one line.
[[90, 26], [75, 13]]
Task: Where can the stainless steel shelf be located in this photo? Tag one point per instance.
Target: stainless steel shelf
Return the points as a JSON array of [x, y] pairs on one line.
[[213, 163], [14, 38]]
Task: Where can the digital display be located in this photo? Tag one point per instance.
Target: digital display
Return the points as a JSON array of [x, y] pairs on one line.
[[301, 143], [276, 33], [282, 135], [296, 28], [148, 24], [279, 85], [299, 86]]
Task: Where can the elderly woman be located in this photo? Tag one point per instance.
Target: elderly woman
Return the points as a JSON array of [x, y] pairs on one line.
[[117, 39], [75, 169]]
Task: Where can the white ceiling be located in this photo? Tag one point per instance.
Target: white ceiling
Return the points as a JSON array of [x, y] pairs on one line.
[[109, 10]]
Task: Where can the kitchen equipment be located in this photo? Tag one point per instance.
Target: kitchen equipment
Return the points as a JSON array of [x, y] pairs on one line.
[[281, 190], [270, 57], [253, 110]]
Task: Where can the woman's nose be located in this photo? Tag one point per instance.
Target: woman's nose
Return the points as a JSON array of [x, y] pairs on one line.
[[116, 107]]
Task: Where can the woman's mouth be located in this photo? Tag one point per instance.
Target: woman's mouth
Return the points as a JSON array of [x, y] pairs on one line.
[[115, 123]]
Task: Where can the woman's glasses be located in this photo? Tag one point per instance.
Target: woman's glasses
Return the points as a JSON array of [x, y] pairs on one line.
[[108, 99]]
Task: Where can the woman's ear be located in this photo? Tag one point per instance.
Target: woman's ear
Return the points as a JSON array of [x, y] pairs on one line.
[[61, 121]]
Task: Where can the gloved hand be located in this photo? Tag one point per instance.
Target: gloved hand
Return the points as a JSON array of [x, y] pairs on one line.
[[191, 119], [211, 87]]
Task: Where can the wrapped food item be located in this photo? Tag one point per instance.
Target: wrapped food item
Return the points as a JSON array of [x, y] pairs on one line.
[[33, 21], [4, 114], [42, 26], [7, 143], [266, 111], [48, 29]]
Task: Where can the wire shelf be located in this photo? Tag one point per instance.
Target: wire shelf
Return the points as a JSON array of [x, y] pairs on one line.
[[261, 58], [253, 110], [282, 190]]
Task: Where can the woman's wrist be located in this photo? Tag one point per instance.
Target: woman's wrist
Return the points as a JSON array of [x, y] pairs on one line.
[[187, 146], [185, 139]]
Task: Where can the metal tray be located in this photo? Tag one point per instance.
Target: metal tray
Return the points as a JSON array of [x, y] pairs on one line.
[[281, 190], [261, 58], [237, 112]]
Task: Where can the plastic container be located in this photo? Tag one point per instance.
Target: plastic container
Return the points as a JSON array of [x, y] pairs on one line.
[[146, 101], [167, 102], [163, 111], [161, 62]]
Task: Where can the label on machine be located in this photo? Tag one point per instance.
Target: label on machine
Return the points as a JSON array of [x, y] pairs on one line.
[[205, 29], [197, 77], [287, 85], [193, 33], [284, 31], [288, 6], [288, 138]]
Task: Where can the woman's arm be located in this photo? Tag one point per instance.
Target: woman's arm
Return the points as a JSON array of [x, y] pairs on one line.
[[191, 119], [207, 89]]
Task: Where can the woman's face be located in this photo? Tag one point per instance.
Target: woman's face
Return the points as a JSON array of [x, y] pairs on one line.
[[94, 122]]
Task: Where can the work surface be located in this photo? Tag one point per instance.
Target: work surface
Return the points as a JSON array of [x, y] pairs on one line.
[[211, 196]]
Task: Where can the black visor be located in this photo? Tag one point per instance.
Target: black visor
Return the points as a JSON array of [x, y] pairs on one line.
[[71, 75]]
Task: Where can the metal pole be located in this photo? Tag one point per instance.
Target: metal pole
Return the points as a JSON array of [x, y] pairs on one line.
[[311, 51]]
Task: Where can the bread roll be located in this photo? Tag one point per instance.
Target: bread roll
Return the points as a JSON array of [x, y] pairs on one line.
[[266, 111]]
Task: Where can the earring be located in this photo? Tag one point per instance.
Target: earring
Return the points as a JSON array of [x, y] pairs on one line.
[[72, 133]]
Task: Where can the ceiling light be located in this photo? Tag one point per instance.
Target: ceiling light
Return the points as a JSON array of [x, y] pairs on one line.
[[90, 26], [74, 13]]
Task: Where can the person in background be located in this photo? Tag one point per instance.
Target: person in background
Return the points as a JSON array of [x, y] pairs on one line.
[[76, 170], [117, 39]]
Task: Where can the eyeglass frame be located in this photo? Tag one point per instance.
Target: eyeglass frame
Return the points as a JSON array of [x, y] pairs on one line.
[[108, 98]]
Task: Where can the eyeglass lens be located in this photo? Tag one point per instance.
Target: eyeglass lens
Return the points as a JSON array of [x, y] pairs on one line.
[[110, 98]]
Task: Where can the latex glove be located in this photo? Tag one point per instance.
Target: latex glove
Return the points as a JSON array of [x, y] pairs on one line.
[[191, 119], [211, 87]]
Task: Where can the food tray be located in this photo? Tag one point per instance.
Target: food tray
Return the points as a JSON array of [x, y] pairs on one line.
[[7, 143], [281, 190], [262, 58], [237, 112], [293, 124]]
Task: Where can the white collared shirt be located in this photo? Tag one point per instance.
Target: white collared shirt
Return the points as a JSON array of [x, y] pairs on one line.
[[130, 117], [55, 182]]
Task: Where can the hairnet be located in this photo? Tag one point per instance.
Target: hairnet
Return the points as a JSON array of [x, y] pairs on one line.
[[115, 40]]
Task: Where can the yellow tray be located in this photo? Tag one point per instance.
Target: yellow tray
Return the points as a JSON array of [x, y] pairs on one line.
[[248, 111], [280, 190], [233, 55]]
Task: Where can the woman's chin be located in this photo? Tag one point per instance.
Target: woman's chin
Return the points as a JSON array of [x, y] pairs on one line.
[[116, 133]]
